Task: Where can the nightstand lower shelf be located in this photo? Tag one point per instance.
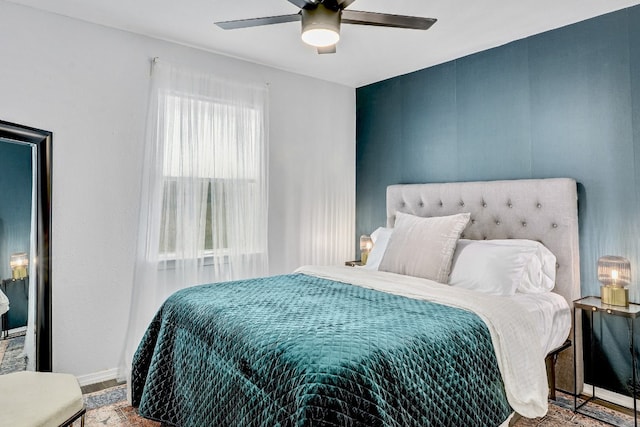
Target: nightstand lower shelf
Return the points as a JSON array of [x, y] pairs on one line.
[[593, 306]]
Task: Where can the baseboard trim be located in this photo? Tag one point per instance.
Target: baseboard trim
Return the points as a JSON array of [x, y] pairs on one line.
[[610, 396], [97, 377]]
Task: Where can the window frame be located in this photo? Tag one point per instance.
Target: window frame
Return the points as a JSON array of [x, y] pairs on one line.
[[209, 256]]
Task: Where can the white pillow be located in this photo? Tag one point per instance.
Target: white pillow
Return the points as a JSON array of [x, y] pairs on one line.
[[423, 247], [380, 239], [503, 267]]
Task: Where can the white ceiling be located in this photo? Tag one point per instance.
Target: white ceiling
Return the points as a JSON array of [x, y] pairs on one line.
[[365, 54]]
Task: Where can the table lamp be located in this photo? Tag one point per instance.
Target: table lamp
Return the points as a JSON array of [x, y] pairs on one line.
[[19, 263], [614, 273], [365, 247]]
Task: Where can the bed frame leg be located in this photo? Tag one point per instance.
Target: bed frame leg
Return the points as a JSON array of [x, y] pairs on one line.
[[550, 362]]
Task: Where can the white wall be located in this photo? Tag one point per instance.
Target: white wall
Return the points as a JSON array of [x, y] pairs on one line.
[[88, 85]]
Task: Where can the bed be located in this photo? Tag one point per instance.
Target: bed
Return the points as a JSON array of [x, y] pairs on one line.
[[344, 346]]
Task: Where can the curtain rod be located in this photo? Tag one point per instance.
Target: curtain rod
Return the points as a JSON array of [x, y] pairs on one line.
[[156, 59]]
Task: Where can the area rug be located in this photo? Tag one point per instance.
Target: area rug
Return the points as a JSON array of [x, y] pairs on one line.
[[12, 358], [561, 414], [110, 408]]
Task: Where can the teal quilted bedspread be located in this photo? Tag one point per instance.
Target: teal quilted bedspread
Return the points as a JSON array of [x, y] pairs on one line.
[[297, 350]]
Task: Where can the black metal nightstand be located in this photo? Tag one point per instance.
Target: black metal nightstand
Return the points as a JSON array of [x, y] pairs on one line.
[[594, 305]]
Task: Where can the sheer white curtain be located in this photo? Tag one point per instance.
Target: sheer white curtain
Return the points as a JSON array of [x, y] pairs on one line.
[[203, 212]]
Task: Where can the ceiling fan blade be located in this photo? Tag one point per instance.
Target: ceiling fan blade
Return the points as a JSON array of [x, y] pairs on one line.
[[305, 4], [327, 49], [255, 22], [386, 20]]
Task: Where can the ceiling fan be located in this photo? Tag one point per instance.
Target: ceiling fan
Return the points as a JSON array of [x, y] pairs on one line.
[[321, 21]]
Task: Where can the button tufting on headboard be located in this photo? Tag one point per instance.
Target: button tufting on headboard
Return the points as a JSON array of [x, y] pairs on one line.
[[501, 209]]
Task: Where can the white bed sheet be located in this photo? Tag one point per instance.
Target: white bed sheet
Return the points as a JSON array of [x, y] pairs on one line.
[[552, 317]]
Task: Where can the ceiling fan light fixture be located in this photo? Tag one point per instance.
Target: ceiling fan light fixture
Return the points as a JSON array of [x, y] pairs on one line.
[[320, 37], [321, 20], [320, 26]]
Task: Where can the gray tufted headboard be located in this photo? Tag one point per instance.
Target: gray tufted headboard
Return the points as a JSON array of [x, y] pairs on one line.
[[545, 210]]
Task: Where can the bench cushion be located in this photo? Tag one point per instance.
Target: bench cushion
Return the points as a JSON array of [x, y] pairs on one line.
[[39, 399]]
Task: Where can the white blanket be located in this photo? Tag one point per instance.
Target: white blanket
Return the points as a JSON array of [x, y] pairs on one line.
[[517, 343]]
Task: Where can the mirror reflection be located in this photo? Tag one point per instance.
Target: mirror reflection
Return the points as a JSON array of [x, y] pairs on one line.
[[17, 249]]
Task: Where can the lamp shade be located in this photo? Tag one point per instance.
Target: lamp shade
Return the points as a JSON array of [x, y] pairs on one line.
[[614, 271], [366, 244], [320, 26], [19, 263]]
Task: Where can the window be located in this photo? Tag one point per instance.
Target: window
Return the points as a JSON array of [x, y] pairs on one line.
[[214, 197]]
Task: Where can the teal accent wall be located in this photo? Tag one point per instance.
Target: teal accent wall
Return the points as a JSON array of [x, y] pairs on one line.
[[565, 103], [15, 202]]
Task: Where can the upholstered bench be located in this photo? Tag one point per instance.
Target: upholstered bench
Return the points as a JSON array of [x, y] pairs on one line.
[[40, 399]]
